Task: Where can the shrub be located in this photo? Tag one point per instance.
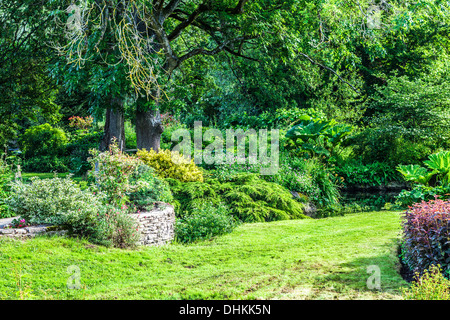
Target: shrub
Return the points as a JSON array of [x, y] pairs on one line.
[[51, 201], [60, 201], [309, 177], [369, 174], [317, 137], [153, 188], [118, 228], [207, 220], [388, 143], [43, 140], [6, 176], [43, 148], [438, 164], [426, 230], [432, 285], [249, 198], [78, 150], [111, 171], [171, 164], [44, 164], [420, 193]]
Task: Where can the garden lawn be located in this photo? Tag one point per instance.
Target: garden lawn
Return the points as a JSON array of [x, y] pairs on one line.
[[296, 259]]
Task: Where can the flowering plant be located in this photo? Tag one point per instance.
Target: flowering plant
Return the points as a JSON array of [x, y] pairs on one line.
[[80, 122], [111, 171], [17, 224]]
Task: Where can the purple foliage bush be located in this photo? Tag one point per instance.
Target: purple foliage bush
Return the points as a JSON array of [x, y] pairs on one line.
[[426, 236]]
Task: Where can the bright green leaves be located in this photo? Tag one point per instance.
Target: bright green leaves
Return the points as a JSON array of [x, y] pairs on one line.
[[416, 173], [317, 136], [439, 163]]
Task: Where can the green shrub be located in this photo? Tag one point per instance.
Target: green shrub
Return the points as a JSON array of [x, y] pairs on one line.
[[420, 193], [356, 173], [80, 143], [61, 202], [249, 198], [44, 149], [432, 285], [6, 177], [171, 164], [43, 164], [111, 171], [206, 220], [51, 201], [388, 143], [311, 179], [43, 140], [153, 188], [316, 137], [117, 228], [438, 165]]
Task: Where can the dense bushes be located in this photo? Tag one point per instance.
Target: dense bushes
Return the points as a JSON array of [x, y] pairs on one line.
[[48, 149], [431, 285], [249, 198], [419, 193], [206, 220], [171, 164], [61, 202], [111, 171], [426, 234], [44, 149], [427, 182], [78, 150], [152, 189], [125, 178], [366, 175], [309, 178], [5, 178], [52, 201]]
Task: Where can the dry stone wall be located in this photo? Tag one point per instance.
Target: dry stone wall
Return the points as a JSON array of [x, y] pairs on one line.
[[156, 226], [29, 232]]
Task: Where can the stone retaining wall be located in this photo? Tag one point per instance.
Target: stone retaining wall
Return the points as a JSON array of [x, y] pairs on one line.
[[156, 226], [29, 232]]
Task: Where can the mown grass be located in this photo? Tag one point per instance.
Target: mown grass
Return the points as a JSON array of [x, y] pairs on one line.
[[296, 259]]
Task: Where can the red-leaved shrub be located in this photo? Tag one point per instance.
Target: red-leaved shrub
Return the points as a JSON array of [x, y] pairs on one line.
[[426, 236]]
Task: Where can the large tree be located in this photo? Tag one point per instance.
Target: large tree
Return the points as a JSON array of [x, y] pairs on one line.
[[151, 40]]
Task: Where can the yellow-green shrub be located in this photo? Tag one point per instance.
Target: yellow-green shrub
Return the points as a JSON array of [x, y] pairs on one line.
[[171, 164], [431, 285]]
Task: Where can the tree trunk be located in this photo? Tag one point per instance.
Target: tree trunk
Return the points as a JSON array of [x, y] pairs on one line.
[[148, 129], [114, 125]]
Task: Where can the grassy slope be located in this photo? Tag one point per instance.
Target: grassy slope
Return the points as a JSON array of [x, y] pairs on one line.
[[301, 259]]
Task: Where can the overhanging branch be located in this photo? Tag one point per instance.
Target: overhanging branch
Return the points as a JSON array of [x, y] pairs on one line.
[[329, 69]]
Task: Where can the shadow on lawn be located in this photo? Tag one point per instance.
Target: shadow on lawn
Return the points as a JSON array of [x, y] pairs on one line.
[[377, 274]]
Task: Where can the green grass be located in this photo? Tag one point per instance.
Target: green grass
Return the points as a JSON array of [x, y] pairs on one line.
[[296, 259], [27, 175]]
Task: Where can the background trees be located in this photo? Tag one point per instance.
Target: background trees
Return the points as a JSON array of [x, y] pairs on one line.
[[380, 66]]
